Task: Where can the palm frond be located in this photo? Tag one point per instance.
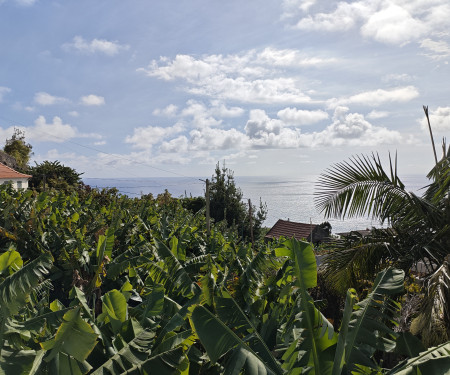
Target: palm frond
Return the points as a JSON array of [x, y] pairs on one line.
[[361, 187]]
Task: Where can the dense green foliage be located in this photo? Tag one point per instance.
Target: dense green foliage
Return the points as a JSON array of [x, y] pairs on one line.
[[53, 175], [99, 283], [417, 237], [227, 205], [19, 149]]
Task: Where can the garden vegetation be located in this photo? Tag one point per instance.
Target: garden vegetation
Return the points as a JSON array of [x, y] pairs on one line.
[[94, 282]]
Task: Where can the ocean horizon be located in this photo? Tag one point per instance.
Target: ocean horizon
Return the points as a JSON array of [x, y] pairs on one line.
[[286, 198]]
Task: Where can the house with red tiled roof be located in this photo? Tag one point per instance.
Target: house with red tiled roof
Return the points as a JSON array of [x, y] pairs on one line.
[[16, 179], [300, 231]]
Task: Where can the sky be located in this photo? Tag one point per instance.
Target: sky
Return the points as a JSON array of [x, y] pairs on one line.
[[276, 88]]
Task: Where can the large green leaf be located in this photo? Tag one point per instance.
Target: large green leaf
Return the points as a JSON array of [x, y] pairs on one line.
[[433, 361], [114, 309], [172, 362], [171, 273], [132, 354], [10, 261], [15, 289], [24, 362], [371, 320], [302, 253], [74, 337], [317, 335], [218, 340], [339, 357], [232, 315]]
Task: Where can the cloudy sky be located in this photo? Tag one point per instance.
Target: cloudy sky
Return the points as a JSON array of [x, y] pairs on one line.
[[143, 88]]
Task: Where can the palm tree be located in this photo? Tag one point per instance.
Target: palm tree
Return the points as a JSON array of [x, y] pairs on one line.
[[418, 228]]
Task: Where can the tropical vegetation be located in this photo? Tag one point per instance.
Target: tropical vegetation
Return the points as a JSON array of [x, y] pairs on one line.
[[416, 236], [99, 283]]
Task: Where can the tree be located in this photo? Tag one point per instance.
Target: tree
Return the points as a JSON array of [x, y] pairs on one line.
[[418, 233], [226, 204], [19, 149], [52, 174]]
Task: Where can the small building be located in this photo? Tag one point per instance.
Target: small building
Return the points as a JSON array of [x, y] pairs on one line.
[[16, 179], [359, 233], [300, 231]]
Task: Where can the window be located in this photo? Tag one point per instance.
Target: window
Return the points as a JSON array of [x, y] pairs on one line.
[[19, 184]]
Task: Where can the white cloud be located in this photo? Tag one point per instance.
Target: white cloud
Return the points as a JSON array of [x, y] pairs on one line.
[[392, 22], [218, 108], [145, 138], [104, 46], [378, 97], [439, 120], [393, 25], [291, 58], [437, 49], [74, 113], [43, 98], [401, 77], [344, 17], [169, 111], [217, 139], [377, 114], [176, 145], [260, 132], [294, 116], [291, 8], [353, 129], [100, 143], [3, 91], [251, 77], [55, 131], [92, 100]]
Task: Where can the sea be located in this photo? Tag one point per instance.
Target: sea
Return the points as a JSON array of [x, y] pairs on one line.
[[286, 198]]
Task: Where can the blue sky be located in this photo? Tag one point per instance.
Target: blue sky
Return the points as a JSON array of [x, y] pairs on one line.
[[142, 89]]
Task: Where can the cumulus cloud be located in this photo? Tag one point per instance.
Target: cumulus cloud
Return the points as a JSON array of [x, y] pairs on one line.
[[299, 117], [251, 77], [353, 129], [217, 139], [3, 91], [439, 119], [168, 111], [378, 97], [262, 132], [437, 50], [55, 131], [79, 44], [92, 100], [43, 98], [291, 8], [146, 137], [394, 22], [344, 17]]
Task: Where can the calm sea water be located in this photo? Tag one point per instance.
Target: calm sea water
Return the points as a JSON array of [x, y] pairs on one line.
[[286, 198]]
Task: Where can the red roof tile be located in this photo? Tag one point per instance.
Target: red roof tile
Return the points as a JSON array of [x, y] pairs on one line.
[[7, 172], [290, 229]]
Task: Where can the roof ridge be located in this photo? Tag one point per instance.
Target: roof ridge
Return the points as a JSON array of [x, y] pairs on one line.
[[13, 170]]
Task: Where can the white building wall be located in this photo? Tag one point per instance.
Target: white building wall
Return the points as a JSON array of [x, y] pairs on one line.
[[17, 183]]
